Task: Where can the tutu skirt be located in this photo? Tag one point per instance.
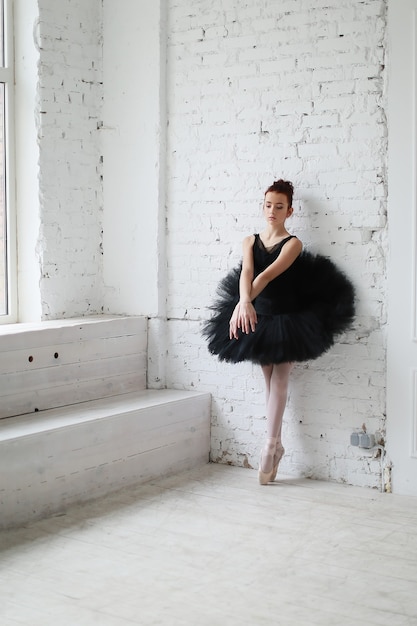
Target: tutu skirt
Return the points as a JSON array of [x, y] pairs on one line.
[[300, 322]]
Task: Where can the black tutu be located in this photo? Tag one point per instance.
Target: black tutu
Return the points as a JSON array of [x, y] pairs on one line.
[[300, 313]]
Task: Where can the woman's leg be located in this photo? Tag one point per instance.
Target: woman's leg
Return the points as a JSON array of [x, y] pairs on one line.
[[267, 372], [277, 400], [276, 388]]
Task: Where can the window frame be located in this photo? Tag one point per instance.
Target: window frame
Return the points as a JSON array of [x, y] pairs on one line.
[[7, 76]]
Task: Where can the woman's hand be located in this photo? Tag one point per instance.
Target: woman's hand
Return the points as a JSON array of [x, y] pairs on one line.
[[244, 318]]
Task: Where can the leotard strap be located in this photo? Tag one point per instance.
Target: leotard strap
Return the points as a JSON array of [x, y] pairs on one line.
[[273, 248]]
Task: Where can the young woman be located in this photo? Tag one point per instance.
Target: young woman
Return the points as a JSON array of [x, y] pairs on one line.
[[281, 305]]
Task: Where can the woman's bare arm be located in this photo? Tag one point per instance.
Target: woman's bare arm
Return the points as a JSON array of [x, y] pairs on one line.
[[244, 315]]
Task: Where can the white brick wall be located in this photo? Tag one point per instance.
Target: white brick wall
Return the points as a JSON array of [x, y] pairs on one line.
[[257, 91], [70, 97]]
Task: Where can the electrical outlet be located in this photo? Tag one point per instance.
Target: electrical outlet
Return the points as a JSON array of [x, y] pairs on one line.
[[362, 440], [366, 440], [354, 439]]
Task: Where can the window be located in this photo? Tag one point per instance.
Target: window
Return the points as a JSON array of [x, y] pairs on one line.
[[7, 216]]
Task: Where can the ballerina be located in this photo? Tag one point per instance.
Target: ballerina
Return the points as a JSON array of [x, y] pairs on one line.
[[280, 306]]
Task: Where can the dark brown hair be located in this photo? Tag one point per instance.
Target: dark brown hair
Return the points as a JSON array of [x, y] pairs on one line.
[[282, 186]]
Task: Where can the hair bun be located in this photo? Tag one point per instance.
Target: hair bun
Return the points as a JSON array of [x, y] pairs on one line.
[[282, 186]]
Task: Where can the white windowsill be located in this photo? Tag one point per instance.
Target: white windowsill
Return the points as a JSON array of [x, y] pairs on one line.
[[22, 327]]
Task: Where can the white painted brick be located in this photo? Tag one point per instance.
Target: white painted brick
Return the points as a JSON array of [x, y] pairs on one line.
[[255, 91], [293, 107], [258, 53], [317, 150], [242, 41], [277, 68], [193, 35], [365, 131], [312, 112], [338, 87], [215, 32], [70, 95]]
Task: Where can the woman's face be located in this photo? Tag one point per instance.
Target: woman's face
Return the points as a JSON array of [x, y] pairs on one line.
[[276, 209]]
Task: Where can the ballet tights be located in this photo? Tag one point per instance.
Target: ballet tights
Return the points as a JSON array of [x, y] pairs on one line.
[[276, 388]]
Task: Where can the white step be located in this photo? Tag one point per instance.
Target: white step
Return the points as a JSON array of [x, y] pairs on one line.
[[59, 362], [60, 456]]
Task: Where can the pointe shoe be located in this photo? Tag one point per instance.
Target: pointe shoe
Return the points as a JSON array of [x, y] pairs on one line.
[[279, 453], [265, 477]]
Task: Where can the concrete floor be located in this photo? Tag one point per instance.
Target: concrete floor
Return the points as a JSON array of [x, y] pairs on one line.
[[212, 546]]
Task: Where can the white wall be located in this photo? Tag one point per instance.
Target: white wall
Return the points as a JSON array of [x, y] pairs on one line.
[[70, 98], [27, 155], [257, 91], [97, 202], [133, 139]]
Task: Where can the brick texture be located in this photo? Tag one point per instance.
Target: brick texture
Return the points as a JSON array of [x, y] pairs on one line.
[[256, 91], [70, 96]]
